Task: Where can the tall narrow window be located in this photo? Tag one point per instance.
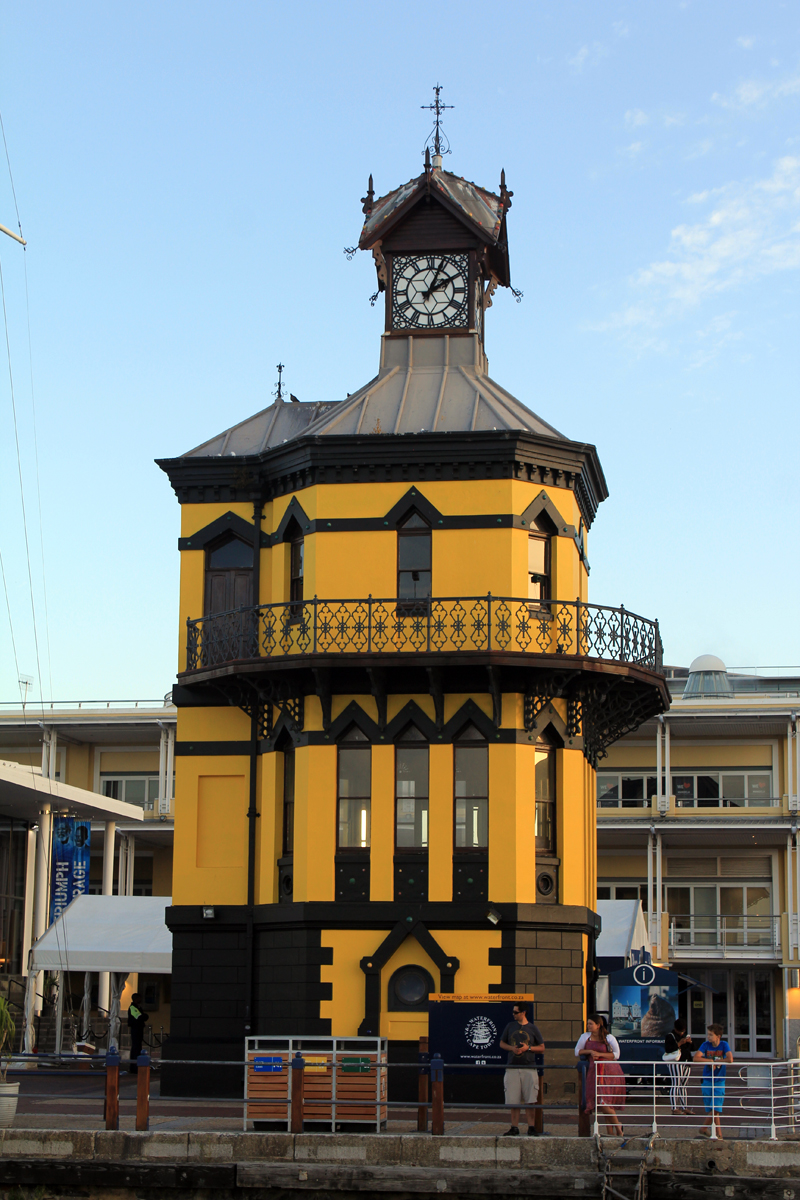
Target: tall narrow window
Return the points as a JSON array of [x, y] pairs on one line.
[[545, 786], [411, 791], [288, 802], [296, 570], [354, 791], [539, 567], [414, 558], [471, 756], [229, 575]]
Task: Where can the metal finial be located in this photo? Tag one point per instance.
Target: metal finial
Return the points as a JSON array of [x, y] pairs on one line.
[[441, 145], [368, 201], [505, 194], [278, 393]]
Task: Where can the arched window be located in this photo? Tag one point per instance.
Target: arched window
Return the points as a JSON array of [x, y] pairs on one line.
[[414, 558], [409, 988], [229, 574], [539, 559], [288, 802], [411, 790], [355, 789], [471, 772]]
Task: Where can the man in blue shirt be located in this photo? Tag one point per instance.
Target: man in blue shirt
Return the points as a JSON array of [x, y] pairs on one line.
[[715, 1054]]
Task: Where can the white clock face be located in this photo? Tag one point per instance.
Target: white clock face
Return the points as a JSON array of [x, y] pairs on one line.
[[429, 291]]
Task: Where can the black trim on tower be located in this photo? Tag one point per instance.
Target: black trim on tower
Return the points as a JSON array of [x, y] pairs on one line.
[[372, 965], [229, 522]]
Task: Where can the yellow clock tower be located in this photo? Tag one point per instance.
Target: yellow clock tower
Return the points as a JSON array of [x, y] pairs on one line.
[[393, 691]]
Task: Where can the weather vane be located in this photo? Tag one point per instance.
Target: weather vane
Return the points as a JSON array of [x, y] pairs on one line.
[[441, 145], [278, 393]]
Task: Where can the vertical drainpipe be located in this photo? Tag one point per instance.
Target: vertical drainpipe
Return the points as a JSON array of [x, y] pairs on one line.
[[252, 811]]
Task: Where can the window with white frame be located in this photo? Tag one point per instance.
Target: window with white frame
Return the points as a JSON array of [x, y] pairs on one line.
[[691, 789], [141, 790], [720, 914], [623, 891]]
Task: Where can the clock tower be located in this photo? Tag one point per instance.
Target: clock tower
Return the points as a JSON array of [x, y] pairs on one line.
[[440, 250], [393, 691]]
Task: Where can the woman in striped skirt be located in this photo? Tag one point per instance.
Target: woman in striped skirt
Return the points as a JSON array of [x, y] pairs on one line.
[[679, 1070]]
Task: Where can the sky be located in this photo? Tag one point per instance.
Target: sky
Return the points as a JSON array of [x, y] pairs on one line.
[[187, 176]]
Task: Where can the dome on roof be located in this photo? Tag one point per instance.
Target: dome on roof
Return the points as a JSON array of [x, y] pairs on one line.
[[707, 662], [708, 676]]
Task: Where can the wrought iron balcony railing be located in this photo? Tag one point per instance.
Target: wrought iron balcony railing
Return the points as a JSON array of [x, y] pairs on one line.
[[455, 625]]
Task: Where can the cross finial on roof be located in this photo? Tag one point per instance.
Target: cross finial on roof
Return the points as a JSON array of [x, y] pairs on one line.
[[441, 145], [278, 393]]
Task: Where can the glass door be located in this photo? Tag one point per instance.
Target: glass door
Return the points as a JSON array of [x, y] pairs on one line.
[[741, 1002]]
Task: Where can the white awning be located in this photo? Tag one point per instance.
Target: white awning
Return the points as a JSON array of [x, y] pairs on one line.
[[108, 933], [623, 930], [23, 791]]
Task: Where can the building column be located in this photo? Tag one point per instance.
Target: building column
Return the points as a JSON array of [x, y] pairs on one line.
[[650, 913], [659, 893], [42, 896], [104, 981], [30, 892]]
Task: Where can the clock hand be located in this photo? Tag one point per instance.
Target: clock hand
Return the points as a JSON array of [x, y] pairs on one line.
[[432, 287], [443, 284]]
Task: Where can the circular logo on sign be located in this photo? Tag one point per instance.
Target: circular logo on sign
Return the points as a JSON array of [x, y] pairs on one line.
[[480, 1032], [644, 974]]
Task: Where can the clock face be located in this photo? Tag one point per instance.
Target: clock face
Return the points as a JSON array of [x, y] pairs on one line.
[[429, 291]]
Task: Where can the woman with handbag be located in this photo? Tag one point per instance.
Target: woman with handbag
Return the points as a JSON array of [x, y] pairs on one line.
[[678, 1053], [605, 1079]]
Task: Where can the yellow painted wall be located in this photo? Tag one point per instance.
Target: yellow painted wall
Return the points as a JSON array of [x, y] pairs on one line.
[[210, 804], [314, 822], [575, 828], [226, 724], [381, 882], [144, 761], [440, 824], [687, 756], [269, 845], [346, 1009], [512, 833]]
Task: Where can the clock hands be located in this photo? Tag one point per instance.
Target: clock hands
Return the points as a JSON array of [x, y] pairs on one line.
[[443, 284]]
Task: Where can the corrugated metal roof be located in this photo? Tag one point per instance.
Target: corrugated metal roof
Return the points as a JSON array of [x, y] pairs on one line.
[[483, 208]]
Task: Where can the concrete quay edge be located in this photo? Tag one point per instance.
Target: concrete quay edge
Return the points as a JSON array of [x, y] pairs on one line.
[[741, 1157]]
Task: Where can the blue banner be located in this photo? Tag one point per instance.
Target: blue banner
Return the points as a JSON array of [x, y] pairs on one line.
[[70, 863]]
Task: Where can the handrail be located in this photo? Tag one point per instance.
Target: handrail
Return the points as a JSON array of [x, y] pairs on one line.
[[437, 625], [735, 931]]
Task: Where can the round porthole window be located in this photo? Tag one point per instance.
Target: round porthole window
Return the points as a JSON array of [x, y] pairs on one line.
[[545, 884], [287, 884], [409, 988]]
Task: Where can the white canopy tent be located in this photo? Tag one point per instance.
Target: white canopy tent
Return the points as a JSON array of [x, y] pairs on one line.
[[118, 934], [623, 930]]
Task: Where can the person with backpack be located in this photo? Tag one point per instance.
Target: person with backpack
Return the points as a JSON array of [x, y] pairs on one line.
[[678, 1053]]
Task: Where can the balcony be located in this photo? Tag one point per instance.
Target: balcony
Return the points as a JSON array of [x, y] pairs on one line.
[[732, 937], [478, 625]]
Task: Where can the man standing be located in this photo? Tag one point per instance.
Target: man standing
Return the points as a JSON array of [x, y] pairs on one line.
[[715, 1053], [136, 1020], [523, 1041]]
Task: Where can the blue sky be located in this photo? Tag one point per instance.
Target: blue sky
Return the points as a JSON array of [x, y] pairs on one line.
[[187, 176]]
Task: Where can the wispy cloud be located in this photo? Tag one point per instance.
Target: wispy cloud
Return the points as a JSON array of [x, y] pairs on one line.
[[746, 43], [635, 117], [758, 92], [633, 150], [751, 230]]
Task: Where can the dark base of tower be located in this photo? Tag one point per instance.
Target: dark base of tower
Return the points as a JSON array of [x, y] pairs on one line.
[[233, 978]]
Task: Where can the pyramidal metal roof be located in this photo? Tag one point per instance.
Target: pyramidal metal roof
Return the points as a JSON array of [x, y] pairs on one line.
[[425, 384], [430, 385]]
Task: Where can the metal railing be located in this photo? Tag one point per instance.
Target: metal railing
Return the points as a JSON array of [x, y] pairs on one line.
[[644, 1098], [454, 625], [725, 934]]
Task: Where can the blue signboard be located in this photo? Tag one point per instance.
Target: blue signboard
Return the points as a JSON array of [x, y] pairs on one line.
[[643, 1007], [267, 1065], [70, 863]]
